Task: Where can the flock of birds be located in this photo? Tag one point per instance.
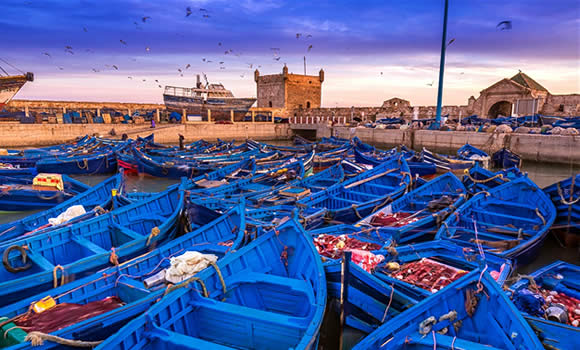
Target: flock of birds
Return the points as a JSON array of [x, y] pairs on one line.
[[205, 14]]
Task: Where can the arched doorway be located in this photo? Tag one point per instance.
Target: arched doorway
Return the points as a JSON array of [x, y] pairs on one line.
[[500, 108]]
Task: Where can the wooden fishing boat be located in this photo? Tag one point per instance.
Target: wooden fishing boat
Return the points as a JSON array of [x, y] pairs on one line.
[[35, 264], [300, 188], [445, 163], [419, 270], [418, 214], [102, 161], [565, 195], [370, 301], [269, 294], [117, 293], [504, 158], [472, 313], [12, 170], [417, 166], [469, 152], [549, 300], [364, 194], [478, 179], [269, 217], [92, 201], [511, 220], [19, 193]]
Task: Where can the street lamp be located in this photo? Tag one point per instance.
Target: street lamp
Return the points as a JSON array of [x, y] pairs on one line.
[[441, 67]]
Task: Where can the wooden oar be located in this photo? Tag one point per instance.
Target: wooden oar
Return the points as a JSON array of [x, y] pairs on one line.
[[356, 183]]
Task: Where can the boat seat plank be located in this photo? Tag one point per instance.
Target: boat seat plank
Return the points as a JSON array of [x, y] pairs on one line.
[[40, 260], [89, 245], [496, 214], [291, 283]]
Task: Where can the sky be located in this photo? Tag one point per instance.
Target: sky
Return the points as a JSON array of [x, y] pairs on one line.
[[124, 50]]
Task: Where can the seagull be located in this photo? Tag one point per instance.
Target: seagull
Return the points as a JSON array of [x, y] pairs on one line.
[[95, 70], [251, 65], [203, 59], [309, 36], [504, 25], [156, 80], [116, 68], [205, 16], [60, 68], [188, 11], [222, 67], [381, 73], [159, 86], [68, 47], [431, 83], [298, 35], [241, 75], [130, 78], [188, 65], [222, 62], [219, 44], [450, 42], [123, 42], [147, 49], [144, 19], [202, 10], [462, 73], [47, 54], [276, 58], [144, 79], [309, 48]]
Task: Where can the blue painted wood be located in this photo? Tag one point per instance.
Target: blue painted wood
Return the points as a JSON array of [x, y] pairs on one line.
[[560, 277], [512, 220], [274, 297], [494, 323]]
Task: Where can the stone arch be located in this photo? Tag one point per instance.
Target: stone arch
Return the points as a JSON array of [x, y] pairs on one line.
[[307, 104], [500, 108]]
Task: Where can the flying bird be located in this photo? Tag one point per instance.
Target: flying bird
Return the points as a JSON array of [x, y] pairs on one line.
[[205, 16], [309, 36], [123, 42], [60, 68], [450, 42], [68, 47], [241, 75], [222, 67], [156, 80], [202, 10], [188, 65], [144, 79], [219, 44], [276, 58], [431, 83], [130, 78], [221, 62], [309, 48], [188, 11], [381, 73], [116, 68], [504, 25], [47, 54], [144, 19], [251, 65], [147, 49], [179, 70], [95, 70], [298, 35], [203, 59], [159, 86]]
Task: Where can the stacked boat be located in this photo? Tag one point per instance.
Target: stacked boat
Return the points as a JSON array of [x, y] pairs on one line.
[[257, 246]]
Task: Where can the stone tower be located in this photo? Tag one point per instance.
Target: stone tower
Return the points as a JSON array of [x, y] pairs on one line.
[[288, 90]]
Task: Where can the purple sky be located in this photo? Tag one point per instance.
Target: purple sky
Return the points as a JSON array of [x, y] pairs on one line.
[[353, 41]]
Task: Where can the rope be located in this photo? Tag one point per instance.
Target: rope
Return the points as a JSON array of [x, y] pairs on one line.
[[541, 216], [434, 341], [55, 278], [485, 192], [500, 176], [355, 208], [426, 325], [85, 165], [154, 233], [171, 288], [389, 304], [114, 258], [564, 201], [219, 272], [38, 338]]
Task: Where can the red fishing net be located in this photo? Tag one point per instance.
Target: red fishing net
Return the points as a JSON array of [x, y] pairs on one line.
[[65, 314], [427, 274], [332, 246], [393, 220], [572, 304]]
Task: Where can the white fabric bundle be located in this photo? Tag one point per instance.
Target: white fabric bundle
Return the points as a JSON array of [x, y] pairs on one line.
[[186, 265], [70, 213]]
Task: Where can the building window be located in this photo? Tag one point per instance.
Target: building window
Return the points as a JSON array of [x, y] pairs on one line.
[[270, 104], [308, 104], [310, 82], [561, 108], [396, 103]]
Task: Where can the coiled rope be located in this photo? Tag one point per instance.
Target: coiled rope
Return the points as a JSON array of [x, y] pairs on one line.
[[38, 338]]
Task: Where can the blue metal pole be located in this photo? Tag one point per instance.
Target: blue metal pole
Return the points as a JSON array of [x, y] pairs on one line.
[[442, 66]]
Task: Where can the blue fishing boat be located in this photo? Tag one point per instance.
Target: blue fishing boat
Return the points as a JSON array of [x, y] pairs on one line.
[[11, 170], [565, 195], [23, 192], [445, 163], [269, 294], [469, 152], [511, 220], [416, 165], [418, 214], [102, 161], [300, 188], [419, 270], [549, 300], [478, 179], [504, 158], [35, 264], [92, 200], [364, 194], [370, 301], [99, 304], [472, 313]]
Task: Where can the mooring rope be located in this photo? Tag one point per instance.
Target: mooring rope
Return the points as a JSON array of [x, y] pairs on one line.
[[38, 338]]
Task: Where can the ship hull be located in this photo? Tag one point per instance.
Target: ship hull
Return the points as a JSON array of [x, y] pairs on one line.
[[199, 106], [9, 86]]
